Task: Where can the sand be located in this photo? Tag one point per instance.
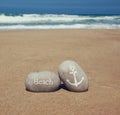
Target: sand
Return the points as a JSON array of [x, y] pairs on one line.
[[97, 52]]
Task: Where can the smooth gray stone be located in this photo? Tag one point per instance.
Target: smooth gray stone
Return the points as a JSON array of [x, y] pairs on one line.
[[73, 76], [44, 81]]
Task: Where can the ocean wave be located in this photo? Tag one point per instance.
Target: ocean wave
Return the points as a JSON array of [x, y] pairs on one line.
[[76, 26], [54, 21]]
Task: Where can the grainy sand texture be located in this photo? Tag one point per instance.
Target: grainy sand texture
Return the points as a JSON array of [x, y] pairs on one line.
[[97, 52]]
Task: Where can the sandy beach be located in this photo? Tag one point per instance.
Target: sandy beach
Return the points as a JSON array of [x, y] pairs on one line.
[[24, 51]]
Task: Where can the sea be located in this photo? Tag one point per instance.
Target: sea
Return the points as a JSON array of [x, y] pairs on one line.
[[58, 21]]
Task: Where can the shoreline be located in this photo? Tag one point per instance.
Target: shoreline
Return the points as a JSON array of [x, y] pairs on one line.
[[22, 30]]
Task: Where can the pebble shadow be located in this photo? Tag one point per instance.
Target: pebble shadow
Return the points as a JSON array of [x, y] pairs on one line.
[[62, 86]]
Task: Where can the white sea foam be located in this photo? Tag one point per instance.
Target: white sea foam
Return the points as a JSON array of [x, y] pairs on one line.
[[53, 21], [76, 26]]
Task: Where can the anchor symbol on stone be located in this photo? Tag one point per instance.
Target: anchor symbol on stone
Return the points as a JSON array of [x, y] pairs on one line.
[[74, 72]]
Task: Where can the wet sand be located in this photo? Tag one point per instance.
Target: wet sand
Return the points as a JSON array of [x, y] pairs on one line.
[[97, 52]]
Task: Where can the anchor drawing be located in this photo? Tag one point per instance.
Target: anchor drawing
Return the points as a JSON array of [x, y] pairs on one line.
[[74, 72]]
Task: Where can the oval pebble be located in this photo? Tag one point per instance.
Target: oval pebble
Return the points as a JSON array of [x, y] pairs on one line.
[[73, 76], [44, 81]]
